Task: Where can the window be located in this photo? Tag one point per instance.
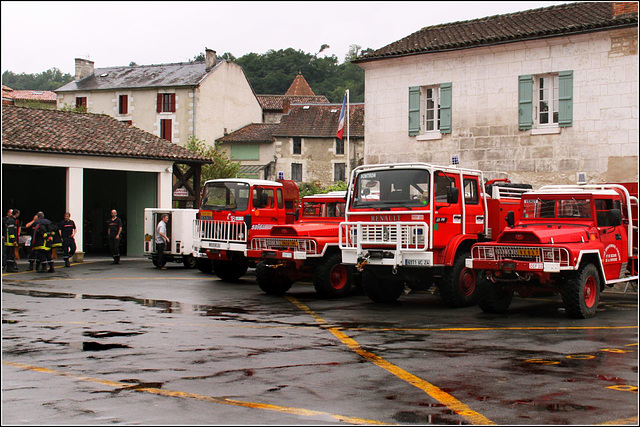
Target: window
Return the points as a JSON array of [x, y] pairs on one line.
[[280, 198], [471, 191], [430, 110], [263, 198], [240, 151], [296, 172], [128, 122], [339, 146], [81, 102], [166, 103], [384, 188], [226, 196], [123, 104], [339, 172], [545, 102], [166, 129], [603, 206], [547, 92], [297, 145]]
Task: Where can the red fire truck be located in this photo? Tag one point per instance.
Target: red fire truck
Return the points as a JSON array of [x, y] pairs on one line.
[[411, 225], [306, 249], [570, 239], [230, 212]]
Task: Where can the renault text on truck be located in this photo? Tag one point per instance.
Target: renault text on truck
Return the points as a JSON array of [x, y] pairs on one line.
[[231, 210], [570, 239], [413, 224], [307, 249]]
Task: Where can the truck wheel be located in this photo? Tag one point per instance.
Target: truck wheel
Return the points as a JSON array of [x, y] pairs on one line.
[[492, 297], [189, 261], [581, 292], [205, 265], [381, 290], [230, 271], [458, 283], [332, 279], [273, 281]]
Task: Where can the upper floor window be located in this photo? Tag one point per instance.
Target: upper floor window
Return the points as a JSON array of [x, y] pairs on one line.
[[297, 145], [545, 102], [166, 103], [123, 104], [430, 110], [547, 91], [339, 146], [81, 102]]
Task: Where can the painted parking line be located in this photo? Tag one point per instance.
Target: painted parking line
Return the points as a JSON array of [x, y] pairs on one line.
[[632, 420], [441, 396], [510, 328], [185, 395]]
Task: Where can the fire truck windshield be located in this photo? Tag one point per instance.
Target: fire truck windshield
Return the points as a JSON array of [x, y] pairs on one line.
[[232, 196], [392, 187], [565, 207]]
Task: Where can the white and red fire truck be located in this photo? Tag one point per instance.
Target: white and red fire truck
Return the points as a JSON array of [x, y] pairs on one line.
[[307, 249], [570, 239], [231, 210], [413, 224]]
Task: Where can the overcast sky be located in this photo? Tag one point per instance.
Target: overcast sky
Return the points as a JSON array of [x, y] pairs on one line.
[[37, 36]]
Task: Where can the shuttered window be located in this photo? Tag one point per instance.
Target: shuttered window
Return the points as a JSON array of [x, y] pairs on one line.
[[242, 151], [414, 110], [525, 102], [545, 100], [123, 104], [166, 129], [166, 103], [81, 102], [565, 99], [430, 109]]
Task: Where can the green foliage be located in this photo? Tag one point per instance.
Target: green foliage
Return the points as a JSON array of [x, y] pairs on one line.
[[311, 188], [74, 109], [51, 79], [222, 166]]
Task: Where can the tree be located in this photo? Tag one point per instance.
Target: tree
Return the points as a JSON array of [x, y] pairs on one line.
[[222, 166], [50, 79]]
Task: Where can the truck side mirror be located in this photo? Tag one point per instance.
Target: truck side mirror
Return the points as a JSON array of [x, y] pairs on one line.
[[247, 220], [614, 218], [511, 219], [452, 195]]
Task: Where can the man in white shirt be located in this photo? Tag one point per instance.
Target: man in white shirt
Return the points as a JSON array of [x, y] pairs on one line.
[[162, 240]]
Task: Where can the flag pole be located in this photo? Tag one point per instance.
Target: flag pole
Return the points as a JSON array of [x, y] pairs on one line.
[[348, 165]]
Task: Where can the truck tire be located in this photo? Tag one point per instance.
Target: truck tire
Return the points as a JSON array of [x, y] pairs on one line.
[[581, 292], [458, 283], [492, 297], [205, 265], [272, 281], [230, 271], [378, 290], [189, 261], [332, 279]]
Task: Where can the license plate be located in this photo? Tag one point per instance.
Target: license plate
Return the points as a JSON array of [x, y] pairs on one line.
[[417, 262], [536, 266], [215, 245], [287, 255], [508, 266]]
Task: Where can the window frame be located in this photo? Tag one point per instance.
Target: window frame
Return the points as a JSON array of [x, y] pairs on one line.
[[339, 147], [424, 109], [335, 171], [123, 107], [553, 110], [163, 129], [296, 141], [297, 165]]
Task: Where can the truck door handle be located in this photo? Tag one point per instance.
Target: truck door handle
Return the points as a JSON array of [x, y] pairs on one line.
[[618, 237]]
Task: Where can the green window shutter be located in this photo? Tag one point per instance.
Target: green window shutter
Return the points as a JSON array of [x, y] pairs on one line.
[[525, 102], [445, 108], [414, 110], [245, 152], [565, 98]]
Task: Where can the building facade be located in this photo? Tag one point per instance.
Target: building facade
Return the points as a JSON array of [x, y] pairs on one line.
[[537, 96]]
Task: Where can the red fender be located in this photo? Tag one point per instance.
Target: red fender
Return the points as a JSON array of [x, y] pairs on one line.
[[454, 245]]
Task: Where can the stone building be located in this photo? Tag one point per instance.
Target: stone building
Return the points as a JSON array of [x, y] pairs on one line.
[[274, 106], [173, 101], [29, 98], [538, 95]]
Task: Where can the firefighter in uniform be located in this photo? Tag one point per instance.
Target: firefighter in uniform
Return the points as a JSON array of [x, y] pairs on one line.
[[114, 228], [32, 253], [43, 243], [67, 232], [10, 237]]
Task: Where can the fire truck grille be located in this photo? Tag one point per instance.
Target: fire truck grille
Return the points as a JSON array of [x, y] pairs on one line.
[[522, 253], [301, 245], [220, 231], [408, 235]]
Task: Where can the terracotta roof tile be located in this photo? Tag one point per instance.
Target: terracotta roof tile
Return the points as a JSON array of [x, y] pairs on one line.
[[35, 95], [299, 86], [64, 132], [320, 121], [255, 132], [275, 102], [554, 21]]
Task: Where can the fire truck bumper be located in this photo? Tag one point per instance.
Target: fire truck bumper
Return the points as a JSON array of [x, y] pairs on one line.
[[284, 255], [388, 257], [513, 265]]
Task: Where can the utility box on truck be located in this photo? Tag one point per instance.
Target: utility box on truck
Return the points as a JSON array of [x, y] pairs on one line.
[[179, 232]]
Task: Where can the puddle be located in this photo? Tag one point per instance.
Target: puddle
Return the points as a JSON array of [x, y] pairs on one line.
[[420, 418], [554, 407], [109, 334]]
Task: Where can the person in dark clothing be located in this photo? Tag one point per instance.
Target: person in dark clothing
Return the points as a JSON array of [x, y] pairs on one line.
[[10, 238], [114, 229], [42, 242], [32, 258], [67, 229], [162, 240], [4, 229]]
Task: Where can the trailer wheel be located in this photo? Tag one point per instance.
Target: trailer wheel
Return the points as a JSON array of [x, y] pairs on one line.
[[377, 290], [332, 279], [189, 261], [273, 281], [205, 265], [230, 271], [581, 292], [492, 297], [458, 283]]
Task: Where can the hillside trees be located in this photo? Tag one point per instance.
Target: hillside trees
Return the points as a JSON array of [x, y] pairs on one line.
[[51, 79]]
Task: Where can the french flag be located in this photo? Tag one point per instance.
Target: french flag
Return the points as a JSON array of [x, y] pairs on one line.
[[341, 119]]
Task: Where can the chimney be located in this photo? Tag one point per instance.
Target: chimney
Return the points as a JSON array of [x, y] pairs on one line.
[[84, 68], [210, 58], [622, 8], [286, 105]]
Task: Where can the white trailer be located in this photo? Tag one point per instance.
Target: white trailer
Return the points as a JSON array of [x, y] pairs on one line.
[[179, 231]]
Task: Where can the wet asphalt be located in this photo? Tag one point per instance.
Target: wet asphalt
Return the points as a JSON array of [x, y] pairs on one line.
[[102, 344]]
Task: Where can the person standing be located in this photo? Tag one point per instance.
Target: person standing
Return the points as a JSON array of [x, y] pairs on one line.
[[67, 229], [4, 230], [10, 238], [162, 240], [114, 228], [32, 252], [42, 242]]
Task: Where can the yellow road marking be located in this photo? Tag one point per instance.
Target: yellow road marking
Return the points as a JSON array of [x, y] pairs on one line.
[[632, 420], [441, 396], [186, 395], [511, 328]]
